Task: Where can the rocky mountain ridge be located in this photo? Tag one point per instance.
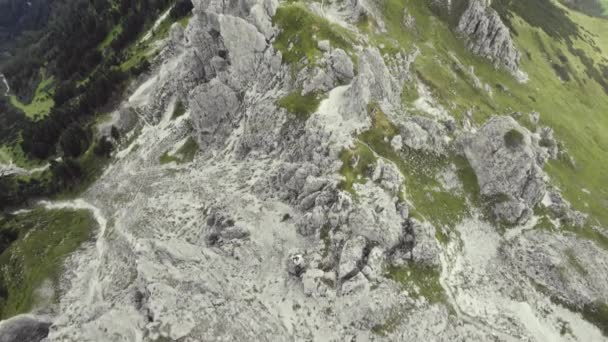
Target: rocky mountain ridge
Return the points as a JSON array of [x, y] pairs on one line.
[[298, 224]]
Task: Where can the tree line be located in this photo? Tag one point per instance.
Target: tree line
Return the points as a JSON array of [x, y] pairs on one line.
[[86, 78]]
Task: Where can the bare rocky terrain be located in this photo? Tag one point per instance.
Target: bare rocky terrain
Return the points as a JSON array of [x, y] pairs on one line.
[[258, 238]]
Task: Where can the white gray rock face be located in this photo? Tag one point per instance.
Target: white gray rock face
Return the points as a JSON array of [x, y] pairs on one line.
[[389, 177], [376, 263], [317, 284], [123, 121], [563, 210], [335, 68], [548, 144], [571, 269], [417, 244], [351, 258], [215, 107], [356, 284], [252, 239], [488, 36], [504, 159], [423, 134], [375, 81], [377, 217]]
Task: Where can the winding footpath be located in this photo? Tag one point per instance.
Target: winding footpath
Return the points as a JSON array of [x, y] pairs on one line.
[[12, 169]]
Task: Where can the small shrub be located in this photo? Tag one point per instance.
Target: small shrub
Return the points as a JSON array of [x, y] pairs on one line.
[[181, 9], [184, 154], [300, 105], [514, 138], [178, 111]]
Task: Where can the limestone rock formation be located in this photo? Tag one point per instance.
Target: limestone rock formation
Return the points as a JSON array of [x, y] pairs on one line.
[[417, 244], [257, 239], [389, 177], [24, 328], [335, 68], [487, 36], [563, 210], [504, 158], [351, 259], [571, 269], [424, 134]]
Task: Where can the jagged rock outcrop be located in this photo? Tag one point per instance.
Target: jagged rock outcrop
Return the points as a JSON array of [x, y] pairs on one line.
[[389, 177], [548, 144], [505, 160], [416, 244], [24, 328], [351, 258], [216, 110], [121, 122], [220, 229], [318, 283], [563, 210], [570, 269], [256, 239], [376, 264], [377, 216], [423, 134], [335, 68], [486, 35], [375, 81]]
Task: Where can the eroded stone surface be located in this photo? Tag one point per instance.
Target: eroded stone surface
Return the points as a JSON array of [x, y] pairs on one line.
[[504, 158], [488, 36]]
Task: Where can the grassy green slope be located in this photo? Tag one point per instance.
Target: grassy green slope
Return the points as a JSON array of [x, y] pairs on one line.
[[42, 102], [43, 239], [575, 109]]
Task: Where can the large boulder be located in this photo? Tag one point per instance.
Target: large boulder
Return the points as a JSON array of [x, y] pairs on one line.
[[215, 112], [417, 244], [24, 328], [351, 260], [504, 158], [423, 134], [335, 68]]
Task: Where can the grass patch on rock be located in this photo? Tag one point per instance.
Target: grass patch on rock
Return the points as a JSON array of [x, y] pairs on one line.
[[301, 30], [41, 103], [576, 265], [513, 138], [183, 155], [391, 324], [441, 207], [302, 106], [419, 281], [356, 165], [179, 110], [42, 239]]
